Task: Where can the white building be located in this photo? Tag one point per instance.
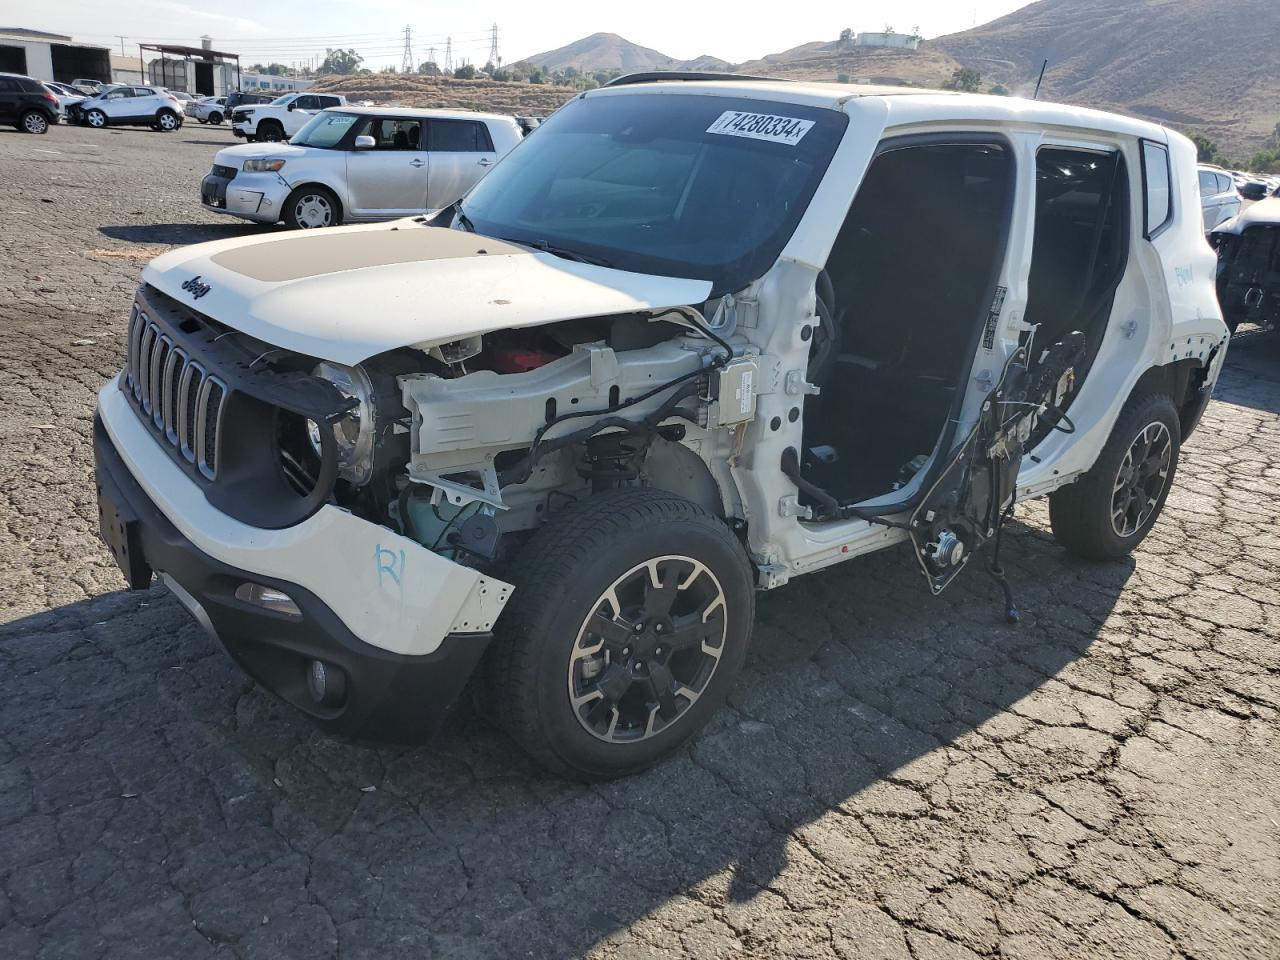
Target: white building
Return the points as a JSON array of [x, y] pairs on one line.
[[52, 56], [902, 41], [269, 83]]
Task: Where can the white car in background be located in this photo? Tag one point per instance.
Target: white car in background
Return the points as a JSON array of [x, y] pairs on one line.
[[1219, 198], [354, 164], [66, 95], [282, 117], [209, 110], [129, 105]]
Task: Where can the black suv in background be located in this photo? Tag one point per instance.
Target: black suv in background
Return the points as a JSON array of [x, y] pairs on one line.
[[239, 99], [26, 103]]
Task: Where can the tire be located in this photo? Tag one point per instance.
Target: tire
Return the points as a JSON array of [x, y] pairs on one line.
[[1106, 513], [33, 121], [305, 209], [96, 119], [545, 654], [215, 118], [270, 132], [167, 121], [198, 120]]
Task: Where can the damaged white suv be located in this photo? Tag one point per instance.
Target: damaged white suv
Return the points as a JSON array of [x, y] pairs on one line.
[[693, 339]]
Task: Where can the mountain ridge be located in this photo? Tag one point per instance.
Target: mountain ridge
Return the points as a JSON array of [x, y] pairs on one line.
[[1207, 65]]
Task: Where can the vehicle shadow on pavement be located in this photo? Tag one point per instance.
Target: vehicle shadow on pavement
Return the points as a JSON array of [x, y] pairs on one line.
[[180, 233], [223, 816], [1251, 377]]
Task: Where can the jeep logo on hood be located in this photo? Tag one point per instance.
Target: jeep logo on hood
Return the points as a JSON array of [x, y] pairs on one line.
[[195, 287]]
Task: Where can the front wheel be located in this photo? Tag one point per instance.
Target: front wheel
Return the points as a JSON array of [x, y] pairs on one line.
[[631, 618], [215, 118], [270, 132], [1106, 513], [96, 119], [309, 208], [33, 121]]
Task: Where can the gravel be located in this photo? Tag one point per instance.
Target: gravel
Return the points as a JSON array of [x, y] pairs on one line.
[[894, 777]]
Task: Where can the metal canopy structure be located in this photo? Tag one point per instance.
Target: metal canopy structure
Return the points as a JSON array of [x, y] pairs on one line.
[[202, 55]]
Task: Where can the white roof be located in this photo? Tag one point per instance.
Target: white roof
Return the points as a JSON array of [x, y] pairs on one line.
[[424, 113], [907, 104]]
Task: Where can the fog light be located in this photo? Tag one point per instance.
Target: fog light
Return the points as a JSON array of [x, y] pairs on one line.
[[326, 683], [269, 598]]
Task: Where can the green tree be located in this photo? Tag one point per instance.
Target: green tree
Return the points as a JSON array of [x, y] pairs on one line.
[[501, 74], [465, 72], [1207, 150], [846, 36], [1265, 161], [999, 90], [964, 79], [430, 68], [340, 61], [842, 78]]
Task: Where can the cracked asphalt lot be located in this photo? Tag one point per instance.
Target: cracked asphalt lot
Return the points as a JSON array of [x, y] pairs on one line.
[[894, 777]]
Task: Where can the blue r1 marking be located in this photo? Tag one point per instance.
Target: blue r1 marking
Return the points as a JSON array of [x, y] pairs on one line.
[[389, 563]]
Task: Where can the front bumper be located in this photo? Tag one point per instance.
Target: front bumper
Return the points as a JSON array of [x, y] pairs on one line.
[[385, 695], [240, 196]]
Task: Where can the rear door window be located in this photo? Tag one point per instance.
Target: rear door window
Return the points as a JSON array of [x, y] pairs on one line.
[[1157, 184], [460, 136], [1208, 184]]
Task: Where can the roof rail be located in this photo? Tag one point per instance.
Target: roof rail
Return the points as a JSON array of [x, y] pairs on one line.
[[659, 76]]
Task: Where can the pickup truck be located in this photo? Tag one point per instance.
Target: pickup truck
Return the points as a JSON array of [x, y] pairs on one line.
[[282, 117]]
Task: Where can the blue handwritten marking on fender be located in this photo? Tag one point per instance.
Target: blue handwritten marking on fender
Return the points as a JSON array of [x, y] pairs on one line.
[[389, 563]]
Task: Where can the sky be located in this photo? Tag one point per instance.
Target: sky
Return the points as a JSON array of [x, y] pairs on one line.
[[295, 30]]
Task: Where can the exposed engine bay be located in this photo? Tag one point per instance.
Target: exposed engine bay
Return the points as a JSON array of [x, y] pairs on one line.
[[465, 444]]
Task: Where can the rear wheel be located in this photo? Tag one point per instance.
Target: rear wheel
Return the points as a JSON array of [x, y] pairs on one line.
[[215, 118], [311, 207], [632, 615], [167, 121], [33, 121], [1106, 513]]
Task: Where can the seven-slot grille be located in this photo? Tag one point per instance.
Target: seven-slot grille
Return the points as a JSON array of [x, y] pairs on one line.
[[174, 393]]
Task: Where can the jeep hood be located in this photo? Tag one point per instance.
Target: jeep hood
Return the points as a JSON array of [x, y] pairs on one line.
[[349, 293]]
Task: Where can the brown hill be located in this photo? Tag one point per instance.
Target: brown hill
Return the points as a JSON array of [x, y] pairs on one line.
[[413, 90], [1211, 65], [925, 67], [608, 51]]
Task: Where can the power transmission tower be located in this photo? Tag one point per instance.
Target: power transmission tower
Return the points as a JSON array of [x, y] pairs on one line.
[[493, 46], [431, 57], [407, 65], [448, 54]]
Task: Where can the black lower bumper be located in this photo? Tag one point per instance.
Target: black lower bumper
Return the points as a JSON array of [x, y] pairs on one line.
[[213, 191], [388, 696]]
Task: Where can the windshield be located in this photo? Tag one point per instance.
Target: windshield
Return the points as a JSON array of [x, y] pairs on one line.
[[281, 101], [324, 130], [704, 187]]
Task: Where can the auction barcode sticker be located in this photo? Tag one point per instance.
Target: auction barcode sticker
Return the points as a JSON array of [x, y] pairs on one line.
[[761, 126]]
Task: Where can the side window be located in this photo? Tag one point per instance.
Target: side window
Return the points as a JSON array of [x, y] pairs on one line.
[[1157, 187], [119, 93], [329, 102], [1208, 184], [390, 133], [8, 85], [306, 103], [460, 136], [1225, 184]]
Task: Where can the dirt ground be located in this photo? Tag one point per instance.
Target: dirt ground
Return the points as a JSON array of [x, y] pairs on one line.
[[895, 776]]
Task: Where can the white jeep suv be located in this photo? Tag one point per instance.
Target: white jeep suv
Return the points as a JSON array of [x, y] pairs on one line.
[[353, 164], [282, 117], [691, 340]]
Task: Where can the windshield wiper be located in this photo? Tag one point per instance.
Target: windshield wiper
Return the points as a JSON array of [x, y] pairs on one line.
[[563, 252]]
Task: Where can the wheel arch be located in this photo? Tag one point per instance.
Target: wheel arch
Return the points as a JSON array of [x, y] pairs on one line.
[[1187, 384], [321, 183]]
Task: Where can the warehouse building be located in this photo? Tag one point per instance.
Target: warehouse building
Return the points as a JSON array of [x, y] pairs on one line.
[[52, 56]]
